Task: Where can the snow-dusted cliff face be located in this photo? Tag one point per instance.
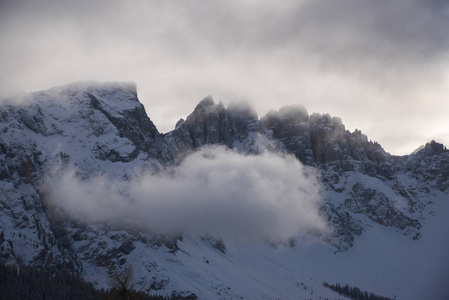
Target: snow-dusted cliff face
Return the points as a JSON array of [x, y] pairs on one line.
[[89, 185]]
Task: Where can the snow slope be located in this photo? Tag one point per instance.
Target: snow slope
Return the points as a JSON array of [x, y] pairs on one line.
[[381, 261]]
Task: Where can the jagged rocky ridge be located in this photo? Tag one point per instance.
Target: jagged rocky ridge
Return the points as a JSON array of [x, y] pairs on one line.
[[103, 128]]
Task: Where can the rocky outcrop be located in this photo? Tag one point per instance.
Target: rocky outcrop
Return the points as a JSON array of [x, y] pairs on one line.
[[212, 124], [132, 124], [291, 126], [430, 165], [321, 140], [316, 140], [378, 207], [208, 124], [105, 119], [345, 227]]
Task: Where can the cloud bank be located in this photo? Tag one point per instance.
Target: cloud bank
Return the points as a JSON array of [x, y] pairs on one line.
[[212, 191]]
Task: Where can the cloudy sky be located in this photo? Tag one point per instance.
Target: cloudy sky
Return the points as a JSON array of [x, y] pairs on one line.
[[382, 66]]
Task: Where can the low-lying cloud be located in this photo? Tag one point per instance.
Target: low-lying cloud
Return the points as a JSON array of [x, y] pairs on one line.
[[214, 191]]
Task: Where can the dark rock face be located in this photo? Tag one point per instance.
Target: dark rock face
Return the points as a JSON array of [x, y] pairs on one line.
[[291, 126], [325, 133], [133, 124], [317, 140], [21, 162], [214, 242], [242, 119], [378, 207], [208, 124], [323, 140], [345, 228], [126, 247], [430, 165], [34, 122], [434, 148], [212, 124]]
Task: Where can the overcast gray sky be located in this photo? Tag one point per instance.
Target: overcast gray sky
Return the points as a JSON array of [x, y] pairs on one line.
[[382, 66]]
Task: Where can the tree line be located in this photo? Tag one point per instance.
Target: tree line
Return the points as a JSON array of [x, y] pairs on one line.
[[46, 284], [354, 292]]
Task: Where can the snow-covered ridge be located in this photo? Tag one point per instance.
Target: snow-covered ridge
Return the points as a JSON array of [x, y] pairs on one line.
[[101, 87], [101, 132]]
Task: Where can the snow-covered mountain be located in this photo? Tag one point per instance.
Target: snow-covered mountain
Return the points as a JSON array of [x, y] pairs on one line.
[[81, 168]]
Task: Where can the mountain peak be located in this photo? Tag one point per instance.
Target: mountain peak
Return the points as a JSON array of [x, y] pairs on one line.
[[207, 101], [435, 147], [431, 148], [294, 110]]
